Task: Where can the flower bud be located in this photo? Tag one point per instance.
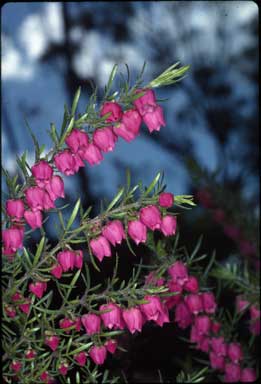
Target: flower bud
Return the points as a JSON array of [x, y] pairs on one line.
[[114, 232], [137, 231], [63, 368], [38, 288], [78, 324], [209, 302], [178, 272], [241, 304], [166, 199], [16, 365], [111, 345], [115, 110], [100, 247], [15, 208], [52, 342], [34, 219], [112, 318], [30, 353], [17, 297], [92, 154], [183, 315], [232, 373], [66, 323], [104, 139], [57, 271], [66, 259], [133, 319], [98, 354], [78, 261], [169, 225], [10, 311], [192, 284], [42, 173], [154, 120], [91, 323], [81, 358], [194, 303], [25, 307], [234, 352], [151, 217], [248, 375]]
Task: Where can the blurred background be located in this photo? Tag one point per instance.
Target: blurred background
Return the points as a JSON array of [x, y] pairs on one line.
[[209, 146]]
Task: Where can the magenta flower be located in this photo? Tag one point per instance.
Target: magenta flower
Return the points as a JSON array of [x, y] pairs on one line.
[[52, 341], [25, 307], [154, 120], [219, 346], [153, 308], [77, 141], [98, 354], [112, 318], [30, 353], [215, 327], [232, 373], [63, 368], [169, 225], [78, 261], [66, 323], [16, 365], [55, 187], [12, 239], [248, 375], [133, 319], [151, 217], [115, 110], [152, 279], [217, 362], [137, 231], [203, 344], [114, 232], [91, 323], [38, 199], [129, 126], [92, 154], [192, 284], [171, 301], [178, 272], [203, 325], [166, 199], [10, 311], [111, 345], [147, 102], [57, 271], [100, 247], [234, 352], [241, 303], [183, 315], [34, 219], [42, 173], [15, 208], [66, 259], [163, 316], [38, 288], [67, 163], [194, 303], [81, 358], [105, 139], [255, 320], [209, 302]]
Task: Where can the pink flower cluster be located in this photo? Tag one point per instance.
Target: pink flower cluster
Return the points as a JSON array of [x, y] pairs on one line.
[[148, 218], [37, 198]]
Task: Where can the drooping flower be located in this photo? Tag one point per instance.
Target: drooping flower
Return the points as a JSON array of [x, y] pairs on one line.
[[115, 110], [137, 231], [105, 139], [38, 288], [66, 323], [176, 288], [100, 247], [209, 302], [153, 308], [114, 232], [92, 154], [67, 162], [78, 261], [203, 325], [112, 317], [129, 126], [42, 173], [30, 353], [16, 365], [248, 375], [91, 323], [81, 358], [151, 217], [194, 303], [15, 208], [191, 285], [25, 307], [168, 225], [217, 362], [34, 219], [77, 141], [57, 271], [63, 368], [52, 341], [66, 259], [183, 315], [218, 346], [232, 373], [55, 187], [111, 345], [147, 102], [12, 239], [38, 199], [234, 352], [133, 319], [98, 354], [178, 272], [154, 120]]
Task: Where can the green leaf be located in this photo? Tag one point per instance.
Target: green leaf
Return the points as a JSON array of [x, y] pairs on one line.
[[115, 200], [39, 251], [80, 349], [111, 78], [152, 184], [74, 214], [76, 100]]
